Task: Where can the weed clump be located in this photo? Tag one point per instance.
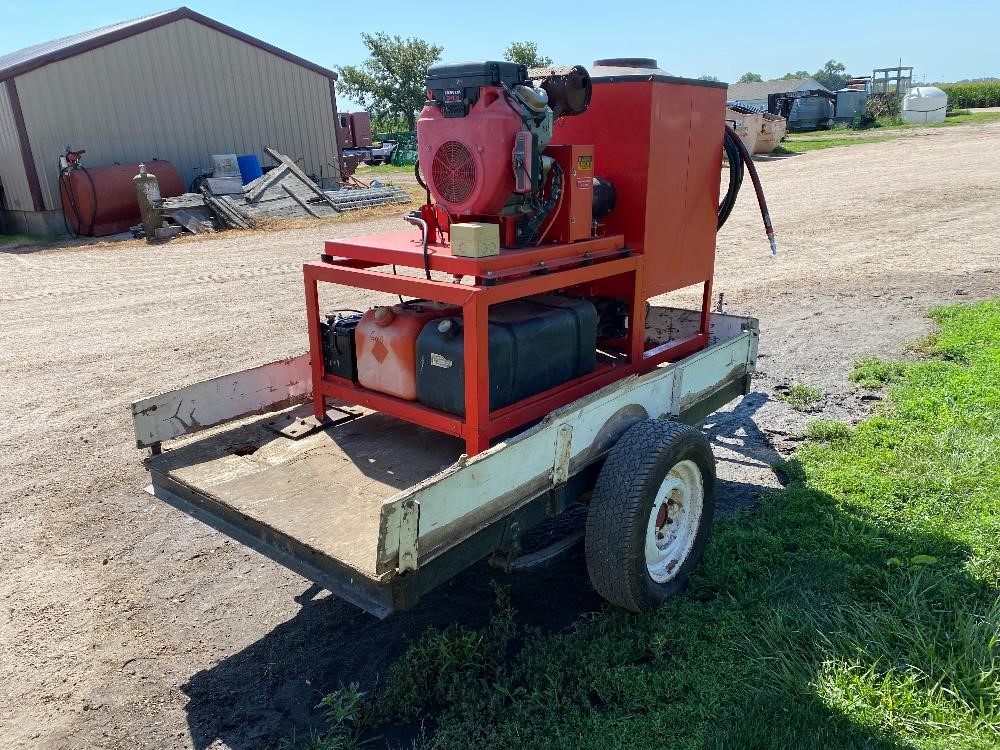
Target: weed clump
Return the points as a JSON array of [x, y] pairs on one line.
[[873, 373], [827, 430], [800, 396]]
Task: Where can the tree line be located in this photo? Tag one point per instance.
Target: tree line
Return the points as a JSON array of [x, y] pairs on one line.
[[833, 75], [390, 83]]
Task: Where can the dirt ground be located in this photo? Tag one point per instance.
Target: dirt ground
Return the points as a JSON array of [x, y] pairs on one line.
[[125, 624]]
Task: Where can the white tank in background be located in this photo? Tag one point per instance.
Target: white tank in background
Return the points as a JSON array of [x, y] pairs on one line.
[[925, 104]]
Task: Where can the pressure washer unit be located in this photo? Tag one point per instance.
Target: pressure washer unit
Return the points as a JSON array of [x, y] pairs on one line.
[[558, 201]]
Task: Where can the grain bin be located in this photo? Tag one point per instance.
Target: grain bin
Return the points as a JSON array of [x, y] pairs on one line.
[[925, 104]]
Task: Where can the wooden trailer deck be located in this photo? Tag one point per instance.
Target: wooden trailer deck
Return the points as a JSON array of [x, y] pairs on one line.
[[380, 511], [325, 490]]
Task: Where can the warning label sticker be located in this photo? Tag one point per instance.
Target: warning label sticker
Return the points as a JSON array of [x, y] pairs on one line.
[[438, 361]]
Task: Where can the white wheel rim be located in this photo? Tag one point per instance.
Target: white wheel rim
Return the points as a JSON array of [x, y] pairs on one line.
[[674, 521]]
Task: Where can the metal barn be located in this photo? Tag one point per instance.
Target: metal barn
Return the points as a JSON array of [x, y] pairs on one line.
[[175, 85]]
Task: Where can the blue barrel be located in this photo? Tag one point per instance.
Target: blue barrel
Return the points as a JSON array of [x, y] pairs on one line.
[[249, 167]]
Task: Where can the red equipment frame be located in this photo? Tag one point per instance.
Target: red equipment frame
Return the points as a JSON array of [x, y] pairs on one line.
[[511, 275]]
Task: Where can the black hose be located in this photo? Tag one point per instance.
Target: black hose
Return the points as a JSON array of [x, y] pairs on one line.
[[755, 178], [416, 220], [420, 181], [735, 160]]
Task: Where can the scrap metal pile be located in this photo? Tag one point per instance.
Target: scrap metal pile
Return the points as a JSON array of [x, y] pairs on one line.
[[285, 192]]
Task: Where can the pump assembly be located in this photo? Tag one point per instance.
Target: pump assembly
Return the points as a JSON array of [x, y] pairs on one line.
[[558, 201]]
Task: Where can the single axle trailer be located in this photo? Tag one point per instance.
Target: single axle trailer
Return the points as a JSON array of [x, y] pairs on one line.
[[380, 511]]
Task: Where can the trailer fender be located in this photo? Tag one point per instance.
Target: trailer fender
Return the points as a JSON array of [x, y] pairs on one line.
[[608, 435]]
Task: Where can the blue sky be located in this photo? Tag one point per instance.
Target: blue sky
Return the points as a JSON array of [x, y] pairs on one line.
[[943, 41]]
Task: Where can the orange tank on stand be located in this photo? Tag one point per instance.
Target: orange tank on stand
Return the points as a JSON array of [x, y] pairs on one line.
[[386, 340], [99, 201]]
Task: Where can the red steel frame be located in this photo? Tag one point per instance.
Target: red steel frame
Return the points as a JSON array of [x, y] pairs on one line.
[[510, 276]]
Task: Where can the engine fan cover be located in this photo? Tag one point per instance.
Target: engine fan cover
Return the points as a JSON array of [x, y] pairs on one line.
[[453, 172], [466, 161]]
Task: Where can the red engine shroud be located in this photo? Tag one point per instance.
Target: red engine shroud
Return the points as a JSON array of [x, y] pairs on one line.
[[466, 161]]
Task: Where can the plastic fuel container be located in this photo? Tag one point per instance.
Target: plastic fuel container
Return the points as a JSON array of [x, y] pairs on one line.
[[386, 340], [535, 344]]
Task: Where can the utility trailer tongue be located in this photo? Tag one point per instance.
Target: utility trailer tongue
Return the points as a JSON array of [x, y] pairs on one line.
[[380, 511]]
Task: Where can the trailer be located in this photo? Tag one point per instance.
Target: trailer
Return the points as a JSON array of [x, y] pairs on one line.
[[380, 511]]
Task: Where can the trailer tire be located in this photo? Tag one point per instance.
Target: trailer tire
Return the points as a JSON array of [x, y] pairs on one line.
[[651, 514]]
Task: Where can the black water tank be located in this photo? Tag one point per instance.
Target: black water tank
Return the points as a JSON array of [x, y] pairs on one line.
[[535, 343]]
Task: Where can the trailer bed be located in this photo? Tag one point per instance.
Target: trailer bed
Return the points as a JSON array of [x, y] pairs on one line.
[[378, 510], [326, 489]]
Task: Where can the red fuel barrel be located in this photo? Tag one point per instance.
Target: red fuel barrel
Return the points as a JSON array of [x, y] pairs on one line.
[[101, 200]]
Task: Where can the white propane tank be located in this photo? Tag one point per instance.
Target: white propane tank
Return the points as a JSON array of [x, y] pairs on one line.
[[925, 104]]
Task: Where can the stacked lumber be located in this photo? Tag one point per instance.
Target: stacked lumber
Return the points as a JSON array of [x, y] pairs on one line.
[[285, 192], [189, 211]]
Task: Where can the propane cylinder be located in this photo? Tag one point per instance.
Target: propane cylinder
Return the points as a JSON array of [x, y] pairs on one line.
[[147, 191]]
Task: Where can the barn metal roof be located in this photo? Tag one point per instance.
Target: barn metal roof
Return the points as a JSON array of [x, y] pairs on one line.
[[20, 62]]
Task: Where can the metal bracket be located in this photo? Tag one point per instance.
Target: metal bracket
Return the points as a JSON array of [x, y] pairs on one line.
[[296, 427], [675, 392], [409, 529], [564, 445], [509, 548]]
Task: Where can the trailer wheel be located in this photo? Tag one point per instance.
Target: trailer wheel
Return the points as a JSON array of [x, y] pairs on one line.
[[651, 514]]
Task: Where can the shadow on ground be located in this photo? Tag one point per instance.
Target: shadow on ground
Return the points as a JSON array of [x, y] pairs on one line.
[[270, 690]]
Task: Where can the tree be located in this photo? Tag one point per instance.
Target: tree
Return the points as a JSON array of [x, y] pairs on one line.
[[750, 78], [526, 53], [707, 78], [796, 74], [833, 75], [392, 82]]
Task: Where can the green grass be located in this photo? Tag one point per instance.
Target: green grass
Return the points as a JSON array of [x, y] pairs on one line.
[[859, 607], [364, 169], [799, 143], [22, 239], [800, 396], [873, 373], [963, 119], [793, 146], [828, 430], [953, 118]]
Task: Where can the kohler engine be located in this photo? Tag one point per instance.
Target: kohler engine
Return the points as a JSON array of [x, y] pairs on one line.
[[482, 135]]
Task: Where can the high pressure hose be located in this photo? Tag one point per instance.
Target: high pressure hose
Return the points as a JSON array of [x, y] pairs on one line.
[[735, 160], [731, 139]]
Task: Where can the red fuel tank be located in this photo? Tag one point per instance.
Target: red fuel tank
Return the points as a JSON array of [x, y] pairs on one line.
[[386, 341], [101, 200]]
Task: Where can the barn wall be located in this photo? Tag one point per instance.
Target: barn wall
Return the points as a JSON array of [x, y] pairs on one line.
[[17, 194], [180, 92]]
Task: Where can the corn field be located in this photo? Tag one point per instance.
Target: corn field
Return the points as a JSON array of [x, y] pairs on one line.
[[978, 94]]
